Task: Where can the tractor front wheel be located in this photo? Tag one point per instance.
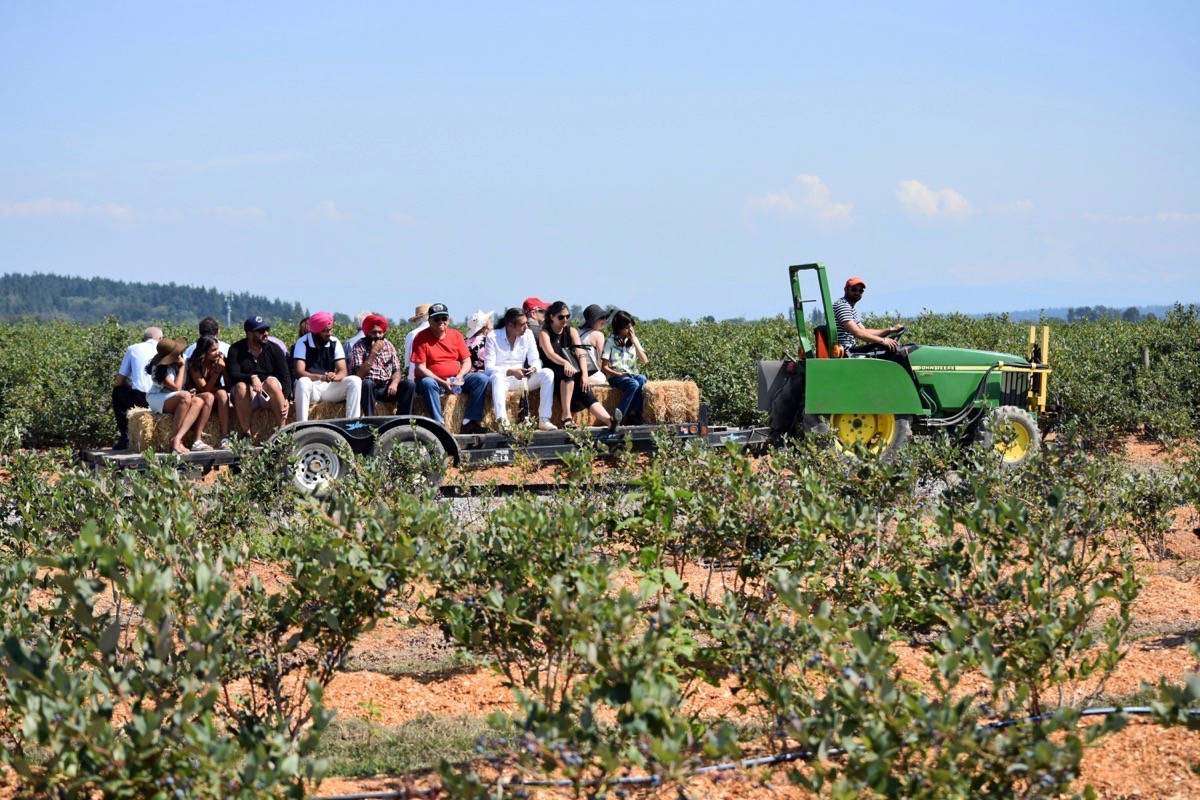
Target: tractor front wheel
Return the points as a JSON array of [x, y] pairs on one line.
[[1013, 432], [879, 435]]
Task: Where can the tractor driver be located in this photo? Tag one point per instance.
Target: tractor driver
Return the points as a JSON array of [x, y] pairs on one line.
[[850, 322]]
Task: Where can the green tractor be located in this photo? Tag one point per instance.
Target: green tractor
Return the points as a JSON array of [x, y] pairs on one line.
[[874, 400]]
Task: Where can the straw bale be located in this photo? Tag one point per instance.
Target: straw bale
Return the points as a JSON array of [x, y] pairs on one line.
[[149, 431], [671, 401]]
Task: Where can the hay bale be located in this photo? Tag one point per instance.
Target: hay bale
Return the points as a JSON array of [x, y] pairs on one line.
[[149, 431], [671, 401]]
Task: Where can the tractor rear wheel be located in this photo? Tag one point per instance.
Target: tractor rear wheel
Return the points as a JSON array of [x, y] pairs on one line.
[[880, 435], [1013, 432]]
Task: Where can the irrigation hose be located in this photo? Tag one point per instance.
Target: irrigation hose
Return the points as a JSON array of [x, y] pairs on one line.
[[745, 763]]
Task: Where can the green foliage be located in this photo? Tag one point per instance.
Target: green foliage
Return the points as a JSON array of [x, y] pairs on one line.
[[141, 659]]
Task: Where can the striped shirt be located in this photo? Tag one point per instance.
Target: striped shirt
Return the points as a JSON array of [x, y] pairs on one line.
[[843, 312]]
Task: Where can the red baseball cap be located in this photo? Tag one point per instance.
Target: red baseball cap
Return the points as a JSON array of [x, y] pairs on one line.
[[854, 280], [534, 304]]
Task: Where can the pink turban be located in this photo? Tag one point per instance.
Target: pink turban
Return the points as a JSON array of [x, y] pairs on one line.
[[320, 322], [371, 321]]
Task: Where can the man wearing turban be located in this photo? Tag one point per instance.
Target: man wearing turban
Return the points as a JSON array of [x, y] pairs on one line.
[[321, 369], [374, 359]]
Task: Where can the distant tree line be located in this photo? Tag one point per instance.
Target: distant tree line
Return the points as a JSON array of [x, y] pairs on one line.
[[1098, 313], [90, 300]]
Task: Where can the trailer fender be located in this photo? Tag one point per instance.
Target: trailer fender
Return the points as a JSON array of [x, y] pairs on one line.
[[859, 386]]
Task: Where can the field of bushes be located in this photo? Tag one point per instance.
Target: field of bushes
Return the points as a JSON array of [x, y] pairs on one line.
[[55, 378], [932, 627]]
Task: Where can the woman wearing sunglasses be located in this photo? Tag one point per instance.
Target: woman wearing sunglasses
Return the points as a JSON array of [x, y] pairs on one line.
[[563, 352]]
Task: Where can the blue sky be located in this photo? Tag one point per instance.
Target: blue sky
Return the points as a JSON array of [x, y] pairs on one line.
[[669, 158]]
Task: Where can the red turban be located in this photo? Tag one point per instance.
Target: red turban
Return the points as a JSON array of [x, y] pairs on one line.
[[374, 320]]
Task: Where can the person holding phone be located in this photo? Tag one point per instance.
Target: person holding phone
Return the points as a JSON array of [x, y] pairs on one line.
[[560, 345], [257, 374], [621, 361], [511, 362]]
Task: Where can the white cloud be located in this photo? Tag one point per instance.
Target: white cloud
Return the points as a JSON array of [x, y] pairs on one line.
[[113, 211], [1185, 217], [328, 211], [41, 207], [917, 198], [809, 197], [1178, 216], [234, 214], [50, 207]]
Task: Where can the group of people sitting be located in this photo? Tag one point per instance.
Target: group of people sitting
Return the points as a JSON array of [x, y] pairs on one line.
[[533, 346]]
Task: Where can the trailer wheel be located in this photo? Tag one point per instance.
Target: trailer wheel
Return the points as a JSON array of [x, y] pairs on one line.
[[1013, 432], [420, 441], [320, 459], [880, 435]]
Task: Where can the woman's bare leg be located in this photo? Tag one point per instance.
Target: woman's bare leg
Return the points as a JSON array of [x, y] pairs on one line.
[[206, 406], [600, 412], [222, 404], [185, 411]]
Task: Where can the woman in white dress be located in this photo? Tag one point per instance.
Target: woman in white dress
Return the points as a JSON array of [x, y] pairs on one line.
[[166, 395]]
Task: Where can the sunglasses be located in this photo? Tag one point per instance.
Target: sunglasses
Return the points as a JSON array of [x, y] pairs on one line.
[[562, 316]]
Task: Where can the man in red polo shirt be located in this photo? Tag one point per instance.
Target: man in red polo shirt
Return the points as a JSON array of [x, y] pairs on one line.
[[443, 365]]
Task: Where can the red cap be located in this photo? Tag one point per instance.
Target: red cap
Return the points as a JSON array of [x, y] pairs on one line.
[[854, 280], [534, 304]]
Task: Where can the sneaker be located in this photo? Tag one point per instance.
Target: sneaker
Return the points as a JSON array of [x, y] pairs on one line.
[[473, 427], [200, 447], [226, 443], [546, 425], [615, 421]]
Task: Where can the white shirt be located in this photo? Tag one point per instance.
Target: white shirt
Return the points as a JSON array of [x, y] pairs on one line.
[[350, 342], [191, 348], [306, 341], [501, 357], [408, 343], [133, 365]]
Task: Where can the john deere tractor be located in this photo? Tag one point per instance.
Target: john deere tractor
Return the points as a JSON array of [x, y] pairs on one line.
[[871, 399]]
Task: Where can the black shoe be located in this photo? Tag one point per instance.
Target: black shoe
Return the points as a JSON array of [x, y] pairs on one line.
[[474, 427], [122, 443], [635, 419]]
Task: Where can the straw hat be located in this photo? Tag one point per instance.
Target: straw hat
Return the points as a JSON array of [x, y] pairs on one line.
[[422, 311], [169, 351]]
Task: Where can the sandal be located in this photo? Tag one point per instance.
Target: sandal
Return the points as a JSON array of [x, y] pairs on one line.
[[569, 424]]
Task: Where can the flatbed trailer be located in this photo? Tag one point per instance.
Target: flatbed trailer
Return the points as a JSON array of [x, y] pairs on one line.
[[321, 447]]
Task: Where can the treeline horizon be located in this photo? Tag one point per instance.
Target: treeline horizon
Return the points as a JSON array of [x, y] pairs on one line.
[[90, 300]]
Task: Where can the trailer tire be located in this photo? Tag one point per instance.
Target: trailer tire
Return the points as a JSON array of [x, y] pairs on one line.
[[1019, 437], [424, 441], [321, 456], [884, 435]]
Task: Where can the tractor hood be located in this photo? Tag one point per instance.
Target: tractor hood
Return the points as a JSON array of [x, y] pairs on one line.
[[931, 356]]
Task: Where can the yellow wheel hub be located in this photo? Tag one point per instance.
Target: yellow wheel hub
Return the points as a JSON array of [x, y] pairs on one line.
[[871, 431], [1012, 442]]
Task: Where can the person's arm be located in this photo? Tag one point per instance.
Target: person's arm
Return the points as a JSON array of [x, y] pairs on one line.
[[339, 363], [198, 376], [489, 352], [234, 367], [606, 364], [637, 346], [555, 358], [174, 380], [876, 335], [125, 370], [531, 353]]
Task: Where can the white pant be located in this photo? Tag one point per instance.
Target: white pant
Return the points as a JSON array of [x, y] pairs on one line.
[[309, 391], [542, 380]]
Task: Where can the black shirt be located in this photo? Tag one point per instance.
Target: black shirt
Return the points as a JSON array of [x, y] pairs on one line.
[[271, 361]]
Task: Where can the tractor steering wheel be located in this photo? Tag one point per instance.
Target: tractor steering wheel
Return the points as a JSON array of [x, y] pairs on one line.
[[896, 336]]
